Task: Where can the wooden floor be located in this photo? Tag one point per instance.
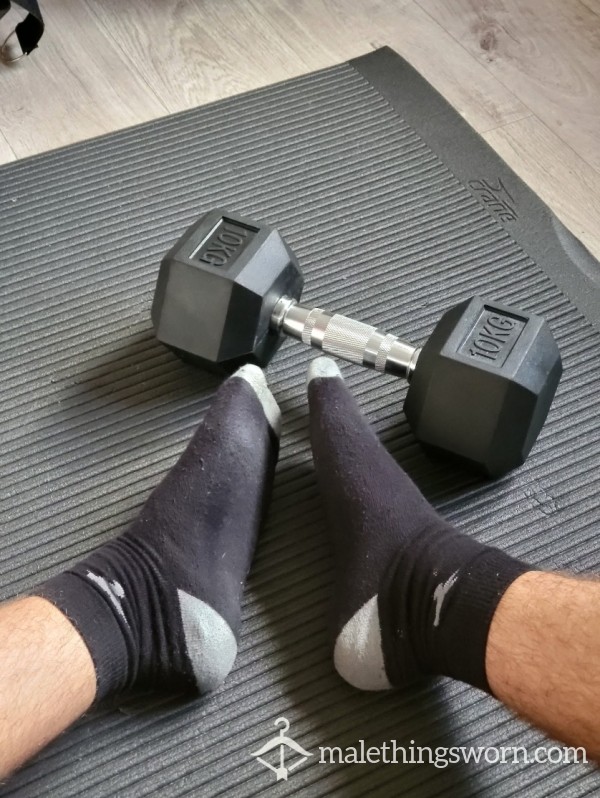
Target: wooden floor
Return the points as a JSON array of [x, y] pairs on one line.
[[524, 73]]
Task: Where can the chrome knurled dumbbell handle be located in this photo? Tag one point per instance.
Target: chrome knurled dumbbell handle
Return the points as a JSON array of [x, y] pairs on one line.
[[345, 338]]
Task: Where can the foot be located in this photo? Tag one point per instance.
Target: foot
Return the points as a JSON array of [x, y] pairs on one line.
[[412, 596], [159, 606]]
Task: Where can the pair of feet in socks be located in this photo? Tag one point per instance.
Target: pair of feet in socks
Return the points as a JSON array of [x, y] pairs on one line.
[[159, 606]]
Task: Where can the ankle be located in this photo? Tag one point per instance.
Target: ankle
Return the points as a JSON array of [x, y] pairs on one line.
[[437, 602], [97, 624]]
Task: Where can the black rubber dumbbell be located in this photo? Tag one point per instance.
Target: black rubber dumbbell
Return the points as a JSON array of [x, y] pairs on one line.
[[480, 387]]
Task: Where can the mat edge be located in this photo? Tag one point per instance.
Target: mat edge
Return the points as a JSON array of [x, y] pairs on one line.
[[547, 241], [148, 123]]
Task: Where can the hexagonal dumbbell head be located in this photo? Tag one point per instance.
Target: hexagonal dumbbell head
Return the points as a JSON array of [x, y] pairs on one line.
[[483, 384], [217, 288]]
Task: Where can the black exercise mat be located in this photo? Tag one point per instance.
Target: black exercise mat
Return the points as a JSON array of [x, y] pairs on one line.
[[397, 210]]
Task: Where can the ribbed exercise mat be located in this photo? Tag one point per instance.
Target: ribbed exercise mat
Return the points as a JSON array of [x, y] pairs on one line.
[[397, 210]]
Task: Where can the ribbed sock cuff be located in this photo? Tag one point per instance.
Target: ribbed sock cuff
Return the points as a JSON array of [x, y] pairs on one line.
[[87, 609], [461, 650], [437, 602]]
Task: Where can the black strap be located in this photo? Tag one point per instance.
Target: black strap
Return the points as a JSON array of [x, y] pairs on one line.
[[29, 31]]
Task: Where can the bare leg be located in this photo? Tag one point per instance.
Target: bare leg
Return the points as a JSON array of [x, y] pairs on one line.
[[158, 607], [543, 652], [47, 678]]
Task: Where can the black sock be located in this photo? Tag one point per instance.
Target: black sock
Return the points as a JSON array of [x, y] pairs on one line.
[[159, 606], [412, 595]]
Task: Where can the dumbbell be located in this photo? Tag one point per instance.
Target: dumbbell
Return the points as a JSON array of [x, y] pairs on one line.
[[480, 388]]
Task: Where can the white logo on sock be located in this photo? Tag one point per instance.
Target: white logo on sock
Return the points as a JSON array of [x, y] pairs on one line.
[[440, 594], [113, 590]]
